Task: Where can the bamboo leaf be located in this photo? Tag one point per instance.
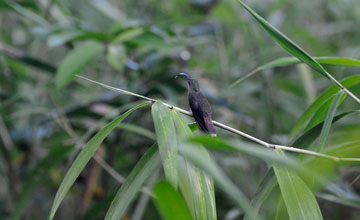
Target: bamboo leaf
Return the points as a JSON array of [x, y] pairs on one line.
[[196, 186], [295, 50], [308, 137], [166, 138], [84, 156], [338, 61], [75, 61], [325, 96], [299, 200], [170, 203], [328, 121], [321, 113], [133, 183], [286, 61], [193, 154]]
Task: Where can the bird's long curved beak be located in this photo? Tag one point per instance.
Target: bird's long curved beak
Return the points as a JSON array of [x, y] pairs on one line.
[[183, 74]]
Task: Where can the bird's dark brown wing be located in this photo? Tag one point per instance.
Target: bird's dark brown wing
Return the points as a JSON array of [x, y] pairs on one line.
[[201, 110]]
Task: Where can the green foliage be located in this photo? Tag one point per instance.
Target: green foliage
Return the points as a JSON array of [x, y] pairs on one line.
[[122, 53], [166, 138], [84, 156], [169, 202], [299, 200]]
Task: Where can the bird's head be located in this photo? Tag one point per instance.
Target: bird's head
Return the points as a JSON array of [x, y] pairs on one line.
[[193, 83]]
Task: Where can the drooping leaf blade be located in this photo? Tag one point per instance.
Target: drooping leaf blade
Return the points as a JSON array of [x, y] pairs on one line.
[[84, 156], [192, 153], [285, 42], [166, 138], [295, 50], [299, 200], [196, 186]]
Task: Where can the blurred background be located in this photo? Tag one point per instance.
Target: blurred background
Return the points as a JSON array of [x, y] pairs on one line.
[[141, 46]]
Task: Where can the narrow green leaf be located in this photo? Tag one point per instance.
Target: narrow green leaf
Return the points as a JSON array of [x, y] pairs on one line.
[[328, 121], [299, 200], [133, 183], [286, 61], [295, 50], [170, 203], [306, 139], [193, 154], [330, 92], [196, 186], [338, 61], [84, 156], [75, 61], [166, 138], [321, 113], [285, 42]]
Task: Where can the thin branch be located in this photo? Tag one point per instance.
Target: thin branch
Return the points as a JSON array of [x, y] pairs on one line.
[[235, 131]]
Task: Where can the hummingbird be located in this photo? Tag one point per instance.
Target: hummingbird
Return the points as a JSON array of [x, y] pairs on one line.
[[199, 106]]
